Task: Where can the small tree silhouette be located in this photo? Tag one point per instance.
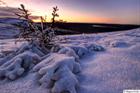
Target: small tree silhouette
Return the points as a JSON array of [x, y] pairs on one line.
[[31, 32], [28, 28], [54, 15]]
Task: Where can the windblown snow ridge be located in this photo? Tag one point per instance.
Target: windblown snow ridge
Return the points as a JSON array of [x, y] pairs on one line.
[[55, 69]]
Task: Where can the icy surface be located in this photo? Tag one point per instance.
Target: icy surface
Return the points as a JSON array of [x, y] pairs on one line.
[[110, 67]]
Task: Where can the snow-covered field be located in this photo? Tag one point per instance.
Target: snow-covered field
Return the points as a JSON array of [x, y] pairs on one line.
[[8, 31], [111, 65]]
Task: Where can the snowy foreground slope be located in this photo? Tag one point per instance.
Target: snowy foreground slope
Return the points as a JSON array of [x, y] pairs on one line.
[[110, 66], [8, 31]]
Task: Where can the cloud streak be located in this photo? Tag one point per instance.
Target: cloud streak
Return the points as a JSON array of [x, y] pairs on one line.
[[2, 3], [117, 11], [10, 12]]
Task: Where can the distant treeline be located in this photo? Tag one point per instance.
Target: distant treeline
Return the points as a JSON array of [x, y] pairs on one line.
[[77, 28]]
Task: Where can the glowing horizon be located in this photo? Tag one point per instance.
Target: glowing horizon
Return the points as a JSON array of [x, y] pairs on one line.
[[90, 11]]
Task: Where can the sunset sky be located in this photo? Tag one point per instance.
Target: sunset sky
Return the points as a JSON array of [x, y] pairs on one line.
[[103, 11]]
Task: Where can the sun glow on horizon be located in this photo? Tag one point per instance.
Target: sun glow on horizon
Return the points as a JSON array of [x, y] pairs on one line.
[[73, 17], [71, 12]]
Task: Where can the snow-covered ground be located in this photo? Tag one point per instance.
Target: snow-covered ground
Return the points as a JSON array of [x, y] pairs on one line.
[[111, 70], [8, 31]]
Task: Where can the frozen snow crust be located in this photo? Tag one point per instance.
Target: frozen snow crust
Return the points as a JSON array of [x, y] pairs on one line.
[[55, 70], [94, 63]]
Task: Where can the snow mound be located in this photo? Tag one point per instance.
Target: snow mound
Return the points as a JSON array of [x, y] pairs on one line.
[[48, 66], [57, 71], [69, 52], [79, 50], [119, 44], [94, 47], [21, 60], [54, 70], [12, 69], [34, 47], [24, 47], [65, 81]]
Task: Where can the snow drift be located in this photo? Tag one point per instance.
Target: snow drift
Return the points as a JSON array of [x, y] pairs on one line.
[[56, 71], [106, 62]]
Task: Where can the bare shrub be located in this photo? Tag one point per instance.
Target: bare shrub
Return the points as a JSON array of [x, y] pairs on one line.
[[31, 32], [54, 14]]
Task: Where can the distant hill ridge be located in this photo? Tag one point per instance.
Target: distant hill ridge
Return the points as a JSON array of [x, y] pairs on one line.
[[10, 20], [76, 28]]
